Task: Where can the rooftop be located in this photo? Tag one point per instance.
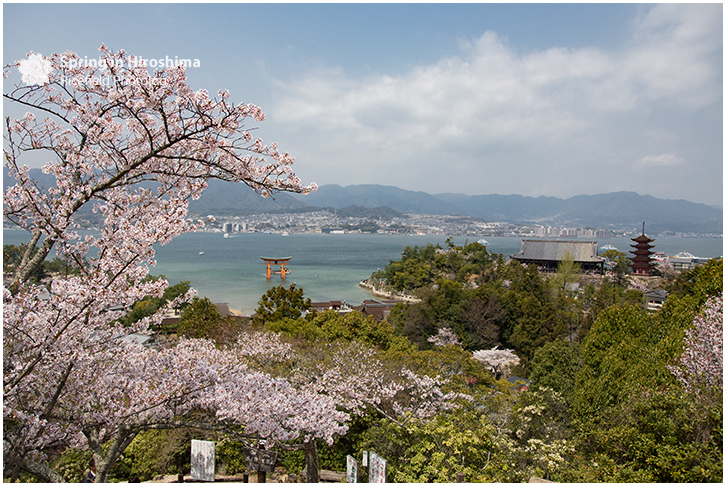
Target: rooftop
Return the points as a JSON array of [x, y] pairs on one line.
[[558, 250]]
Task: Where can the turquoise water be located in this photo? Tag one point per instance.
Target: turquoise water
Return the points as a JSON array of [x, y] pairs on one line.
[[327, 267]]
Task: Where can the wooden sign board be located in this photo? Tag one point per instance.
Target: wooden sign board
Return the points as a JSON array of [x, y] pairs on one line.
[[351, 469], [378, 468], [259, 459], [202, 460]]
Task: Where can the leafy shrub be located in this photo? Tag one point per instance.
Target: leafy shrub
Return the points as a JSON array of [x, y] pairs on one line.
[[73, 464], [230, 457], [155, 452]]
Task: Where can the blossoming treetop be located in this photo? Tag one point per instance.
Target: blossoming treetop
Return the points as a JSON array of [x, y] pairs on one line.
[[109, 128], [104, 131]]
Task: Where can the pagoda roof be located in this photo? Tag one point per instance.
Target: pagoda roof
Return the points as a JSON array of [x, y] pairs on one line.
[[642, 250], [643, 239], [557, 250]]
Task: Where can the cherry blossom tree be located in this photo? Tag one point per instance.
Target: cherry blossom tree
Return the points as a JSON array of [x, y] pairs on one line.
[[357, 379], [109, 128], [353, 377], [194, 384], [701, 364], [135, 147], [445, 337], [497, 359]]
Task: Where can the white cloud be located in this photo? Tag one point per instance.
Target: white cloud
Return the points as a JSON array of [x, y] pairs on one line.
[[508, 122], [662, 160], [675, 55]]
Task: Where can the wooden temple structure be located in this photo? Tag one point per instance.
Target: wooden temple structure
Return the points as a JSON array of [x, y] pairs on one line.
[[640, 261], [547, 254], [269, 262]]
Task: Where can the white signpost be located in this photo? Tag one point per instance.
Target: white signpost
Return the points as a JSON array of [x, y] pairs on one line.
[[351, 469], [202, 460], [378, 468]]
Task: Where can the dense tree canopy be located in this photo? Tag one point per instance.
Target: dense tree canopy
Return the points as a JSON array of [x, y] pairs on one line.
[[280, 303], [618, 393]]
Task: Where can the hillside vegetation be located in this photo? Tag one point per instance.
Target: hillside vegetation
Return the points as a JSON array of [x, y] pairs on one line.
[[611, 395]]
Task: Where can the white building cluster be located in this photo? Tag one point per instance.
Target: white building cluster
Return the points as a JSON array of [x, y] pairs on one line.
[[555, 232], [325, 221]]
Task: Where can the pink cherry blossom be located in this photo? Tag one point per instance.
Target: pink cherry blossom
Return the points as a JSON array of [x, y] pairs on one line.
[[497, 359], [134, 147], [701, 364], [445, 337]]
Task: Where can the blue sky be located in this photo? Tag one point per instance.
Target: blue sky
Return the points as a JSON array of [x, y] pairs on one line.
[[532, 99]]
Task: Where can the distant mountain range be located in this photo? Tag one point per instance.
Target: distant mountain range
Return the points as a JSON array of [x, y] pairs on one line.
[[614, 210]]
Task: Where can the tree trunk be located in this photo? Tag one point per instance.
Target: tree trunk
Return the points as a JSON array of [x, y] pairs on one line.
[[311, 462], [104, 462], [30, 261], [42, 471]]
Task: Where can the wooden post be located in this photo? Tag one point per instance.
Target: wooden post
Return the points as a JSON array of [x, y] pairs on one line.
[[260, 460]]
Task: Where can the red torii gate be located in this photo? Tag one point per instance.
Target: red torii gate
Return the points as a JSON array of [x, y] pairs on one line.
[[275, 261]]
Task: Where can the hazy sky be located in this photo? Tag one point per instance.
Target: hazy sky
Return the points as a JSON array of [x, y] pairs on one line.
[[534, 99]]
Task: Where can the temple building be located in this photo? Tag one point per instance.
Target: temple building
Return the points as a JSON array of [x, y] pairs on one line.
[[547, 254], [640, 261]]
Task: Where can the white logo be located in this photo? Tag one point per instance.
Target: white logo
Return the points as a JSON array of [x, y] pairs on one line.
[[35, 70]]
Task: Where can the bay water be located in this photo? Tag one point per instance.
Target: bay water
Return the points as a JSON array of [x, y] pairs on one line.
[[326, 266]]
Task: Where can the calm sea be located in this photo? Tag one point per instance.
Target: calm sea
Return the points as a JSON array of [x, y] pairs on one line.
[[327, 267]]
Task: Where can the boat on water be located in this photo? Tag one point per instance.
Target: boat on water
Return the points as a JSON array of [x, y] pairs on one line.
[[685, 254], [483, 242], [607, 247]]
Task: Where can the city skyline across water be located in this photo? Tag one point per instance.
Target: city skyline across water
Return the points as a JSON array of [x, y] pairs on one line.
[[327, 267]]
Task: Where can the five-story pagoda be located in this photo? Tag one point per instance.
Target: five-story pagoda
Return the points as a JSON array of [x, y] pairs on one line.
[[640, 262]]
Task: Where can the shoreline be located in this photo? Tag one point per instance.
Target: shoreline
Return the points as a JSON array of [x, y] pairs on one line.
[[388, 294]]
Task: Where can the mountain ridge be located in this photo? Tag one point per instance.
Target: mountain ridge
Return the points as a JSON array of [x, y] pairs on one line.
[[622, 209], [613, 210]]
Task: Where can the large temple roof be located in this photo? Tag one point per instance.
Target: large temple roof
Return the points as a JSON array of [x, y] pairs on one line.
[[557, 250]]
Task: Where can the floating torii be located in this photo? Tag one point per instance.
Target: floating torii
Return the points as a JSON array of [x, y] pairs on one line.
[[276, 261]]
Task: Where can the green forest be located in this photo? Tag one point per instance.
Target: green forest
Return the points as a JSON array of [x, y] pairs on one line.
[[602, 390]]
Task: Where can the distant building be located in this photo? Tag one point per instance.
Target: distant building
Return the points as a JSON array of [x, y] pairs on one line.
[[547, 254], [655, 299], [143, 339], [336, 305], [685, 261], [641, 260], [223, 309], [378, 309]]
